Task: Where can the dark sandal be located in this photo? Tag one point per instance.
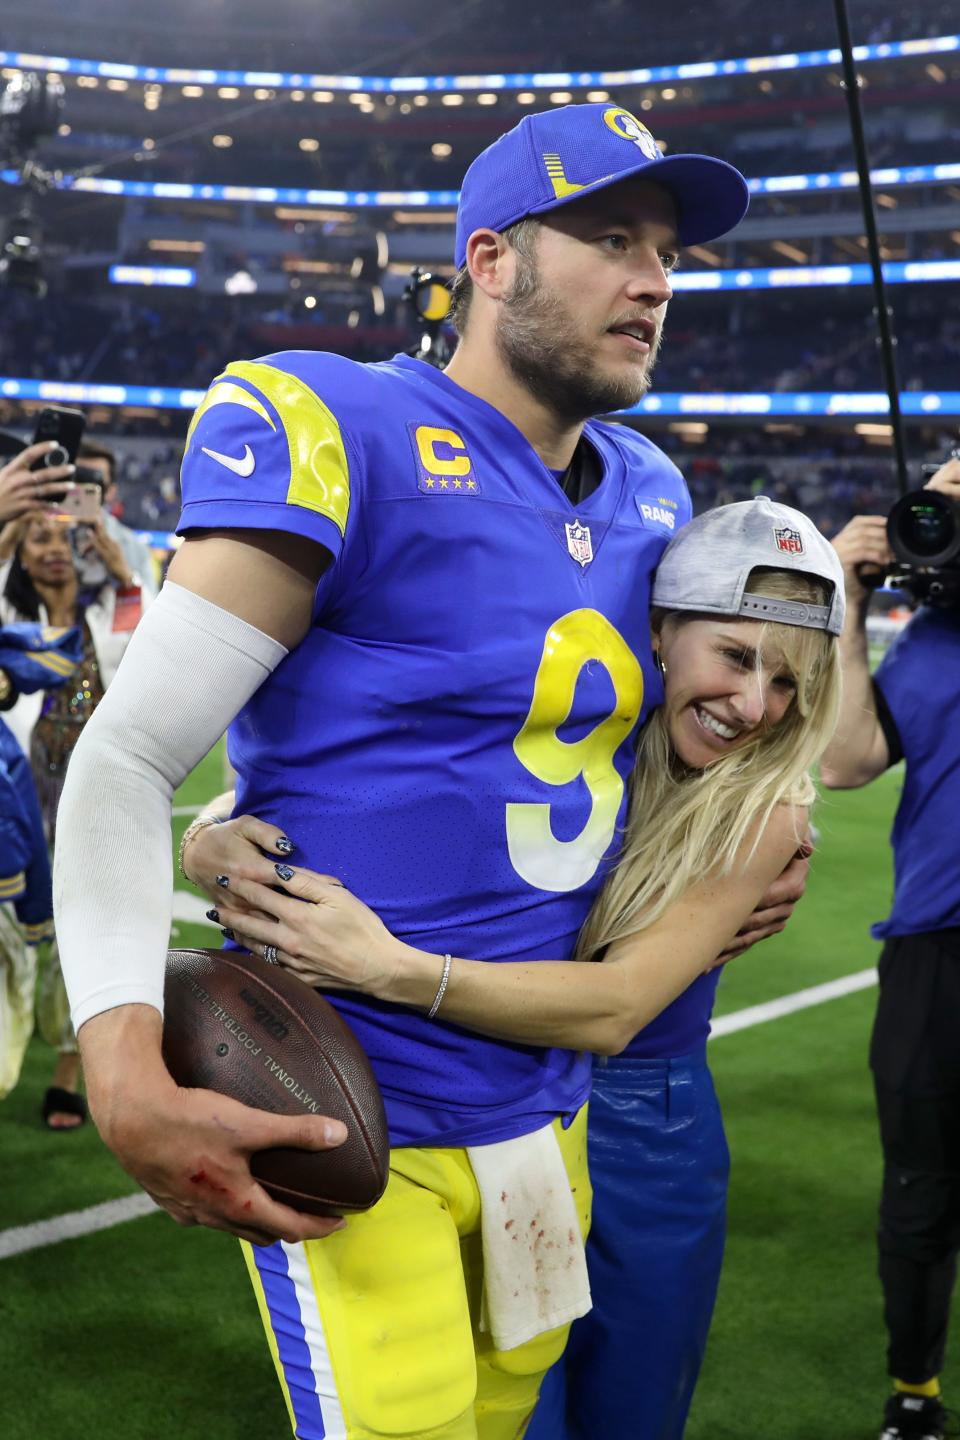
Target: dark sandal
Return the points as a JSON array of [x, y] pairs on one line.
[[63, 1102]]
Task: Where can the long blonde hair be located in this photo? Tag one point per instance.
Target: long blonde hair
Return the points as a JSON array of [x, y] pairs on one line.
[[683, 824]]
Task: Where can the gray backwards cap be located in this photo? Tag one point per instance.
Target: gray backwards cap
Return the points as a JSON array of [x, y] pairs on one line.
[[706, 566]]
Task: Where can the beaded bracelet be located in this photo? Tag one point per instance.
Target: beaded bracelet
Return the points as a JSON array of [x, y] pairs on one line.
[[197, 825], [444, 978]]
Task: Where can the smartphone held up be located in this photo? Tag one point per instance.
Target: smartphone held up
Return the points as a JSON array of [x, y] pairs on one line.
[[82, 502]]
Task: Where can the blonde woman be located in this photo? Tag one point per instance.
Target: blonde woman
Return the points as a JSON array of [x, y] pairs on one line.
[[748, 603]]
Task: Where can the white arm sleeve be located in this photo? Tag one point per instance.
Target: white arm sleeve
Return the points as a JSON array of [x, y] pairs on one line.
[[189, 668]]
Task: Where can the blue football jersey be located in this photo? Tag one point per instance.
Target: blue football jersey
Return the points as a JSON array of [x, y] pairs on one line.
[[453, 735], [919, 678]]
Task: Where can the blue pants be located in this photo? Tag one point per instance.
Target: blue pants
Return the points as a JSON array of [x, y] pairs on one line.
[[659, 1166]]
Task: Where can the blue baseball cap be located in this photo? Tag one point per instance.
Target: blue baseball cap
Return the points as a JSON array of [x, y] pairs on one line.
[[558, 156]]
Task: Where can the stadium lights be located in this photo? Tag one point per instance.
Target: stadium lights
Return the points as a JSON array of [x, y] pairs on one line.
[[916, 404], [701, 252], [792, 252], [30, 108], [241, 282], [174, 275], [763, 185], [192, 247], [425, 217], [87, 71], [895, 272]]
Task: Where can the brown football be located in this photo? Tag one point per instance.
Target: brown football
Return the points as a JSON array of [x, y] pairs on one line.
[[255, 1032]]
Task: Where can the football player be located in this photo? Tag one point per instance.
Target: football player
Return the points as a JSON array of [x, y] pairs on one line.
[[419, 599]]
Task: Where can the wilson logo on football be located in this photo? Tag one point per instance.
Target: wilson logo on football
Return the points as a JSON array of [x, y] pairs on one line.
[[789, 541]]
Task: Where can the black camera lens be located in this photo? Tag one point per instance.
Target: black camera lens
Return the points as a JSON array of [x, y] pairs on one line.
[[924, 528], [57, 456]]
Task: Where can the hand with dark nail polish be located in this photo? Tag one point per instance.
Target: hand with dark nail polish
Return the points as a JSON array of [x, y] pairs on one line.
[[284, 871], [285, 846], [227, 934], [223, 880], [214, 915]]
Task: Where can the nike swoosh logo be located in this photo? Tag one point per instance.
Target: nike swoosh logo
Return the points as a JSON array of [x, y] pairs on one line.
[[244, 466]]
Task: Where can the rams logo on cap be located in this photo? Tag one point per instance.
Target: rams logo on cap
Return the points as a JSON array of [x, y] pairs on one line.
[[628, 127]]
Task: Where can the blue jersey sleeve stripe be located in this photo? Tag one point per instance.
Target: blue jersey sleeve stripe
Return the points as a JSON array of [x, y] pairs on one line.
[[215, 514]]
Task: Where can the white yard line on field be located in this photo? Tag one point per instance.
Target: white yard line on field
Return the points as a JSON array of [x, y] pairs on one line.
[[192, 908], [789, 1004], [22, 1238]]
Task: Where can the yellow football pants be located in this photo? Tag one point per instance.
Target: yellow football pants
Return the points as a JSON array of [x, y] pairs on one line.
[[374, 1331]]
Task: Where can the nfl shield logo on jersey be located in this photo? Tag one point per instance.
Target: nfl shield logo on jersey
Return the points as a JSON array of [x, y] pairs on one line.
[[578, 543], [789, 540]]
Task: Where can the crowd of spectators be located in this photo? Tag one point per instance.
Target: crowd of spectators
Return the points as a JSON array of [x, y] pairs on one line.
[[805, 340], [373, 37], [831, 475], [800, 128]]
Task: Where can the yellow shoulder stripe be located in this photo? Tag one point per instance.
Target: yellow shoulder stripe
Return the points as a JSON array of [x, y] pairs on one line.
[[51, 660], [319, 470], [221, 392]]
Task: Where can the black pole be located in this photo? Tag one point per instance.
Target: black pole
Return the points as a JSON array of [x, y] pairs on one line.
[[881, 310]]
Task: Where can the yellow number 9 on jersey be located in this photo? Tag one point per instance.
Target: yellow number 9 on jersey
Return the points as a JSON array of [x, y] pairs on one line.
[[535, 853]]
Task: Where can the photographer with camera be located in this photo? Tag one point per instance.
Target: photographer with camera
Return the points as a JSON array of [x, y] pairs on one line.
[[905, 712]]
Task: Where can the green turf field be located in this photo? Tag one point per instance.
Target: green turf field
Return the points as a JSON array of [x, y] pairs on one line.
[[145, 1331]]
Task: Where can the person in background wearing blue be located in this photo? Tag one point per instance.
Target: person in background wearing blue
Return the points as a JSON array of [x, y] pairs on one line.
[[32, 657], [907, 711]]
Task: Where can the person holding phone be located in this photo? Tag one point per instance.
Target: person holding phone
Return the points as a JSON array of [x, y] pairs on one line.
[[97, 459], [25, 490], [39, 581]]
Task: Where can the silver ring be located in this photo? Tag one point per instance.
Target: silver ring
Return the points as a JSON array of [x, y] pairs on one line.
[[270, 954]]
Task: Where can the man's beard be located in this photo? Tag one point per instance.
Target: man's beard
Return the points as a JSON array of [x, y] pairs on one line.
[[538, 340]]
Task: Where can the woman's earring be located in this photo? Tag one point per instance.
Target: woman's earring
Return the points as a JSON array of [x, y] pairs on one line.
[[660, 665]]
